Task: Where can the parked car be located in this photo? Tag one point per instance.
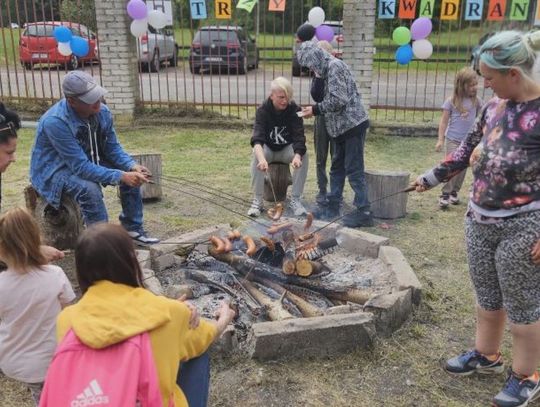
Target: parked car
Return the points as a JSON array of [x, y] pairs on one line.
[[38, 45], [223, 47], [155, 47], [337, 44]]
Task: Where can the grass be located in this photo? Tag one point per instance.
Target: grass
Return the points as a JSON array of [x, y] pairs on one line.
[[402, 370]]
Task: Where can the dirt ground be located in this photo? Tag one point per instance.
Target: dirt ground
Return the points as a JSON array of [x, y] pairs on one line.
[[403, 370]]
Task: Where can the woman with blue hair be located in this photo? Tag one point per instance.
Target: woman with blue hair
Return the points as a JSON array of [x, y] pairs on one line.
[[502, 223]]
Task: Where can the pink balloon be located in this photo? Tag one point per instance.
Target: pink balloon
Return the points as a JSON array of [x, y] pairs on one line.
[[421, 28], [137, 9], [324, 33]]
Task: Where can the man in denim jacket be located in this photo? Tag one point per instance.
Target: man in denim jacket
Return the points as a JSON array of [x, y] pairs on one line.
[[76, 151]]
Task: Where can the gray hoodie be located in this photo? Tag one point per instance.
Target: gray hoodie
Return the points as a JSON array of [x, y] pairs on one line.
[[342, 107]]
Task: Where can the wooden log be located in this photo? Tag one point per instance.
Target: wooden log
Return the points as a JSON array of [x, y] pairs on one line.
[[304, 268], [307, 309], [247, 266], [289, 258], [153, 163], [384, 183], [274, 309], [280, 175], [60, 227]]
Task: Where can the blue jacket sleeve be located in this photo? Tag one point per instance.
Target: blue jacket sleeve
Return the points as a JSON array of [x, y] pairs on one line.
[[113, 150], [62, 140]]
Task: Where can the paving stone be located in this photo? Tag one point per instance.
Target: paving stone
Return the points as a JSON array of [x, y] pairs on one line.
[[311, 337], [403, 272], [358, 242], [390, 310]]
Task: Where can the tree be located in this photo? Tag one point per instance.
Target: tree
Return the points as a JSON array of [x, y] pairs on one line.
[[79, 11]]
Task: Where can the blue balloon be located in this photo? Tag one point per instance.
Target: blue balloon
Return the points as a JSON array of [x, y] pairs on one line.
[[62, 34], [404, 54], [79, 46]]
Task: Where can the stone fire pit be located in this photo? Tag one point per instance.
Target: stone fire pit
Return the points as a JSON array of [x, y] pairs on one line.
[[361, 260]]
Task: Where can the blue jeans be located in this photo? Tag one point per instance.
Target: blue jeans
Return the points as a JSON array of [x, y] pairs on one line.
[[194, 380], [348, 162], [90, 199]]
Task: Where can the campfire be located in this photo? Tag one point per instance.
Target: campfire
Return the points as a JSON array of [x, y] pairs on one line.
[[272, 271]]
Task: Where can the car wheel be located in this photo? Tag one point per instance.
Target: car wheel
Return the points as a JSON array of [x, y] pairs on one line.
[[154, 64], [174, 60], [73, 63], [242, 69], [27, 65], [194, 70]]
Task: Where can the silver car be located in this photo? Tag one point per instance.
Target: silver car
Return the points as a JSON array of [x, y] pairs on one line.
[[156, 47]]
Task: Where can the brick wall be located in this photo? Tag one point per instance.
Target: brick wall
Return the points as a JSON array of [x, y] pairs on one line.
[[118, 56], [359, 34]]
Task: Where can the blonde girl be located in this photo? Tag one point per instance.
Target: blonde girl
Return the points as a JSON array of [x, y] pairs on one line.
[[32, 293], [459, 114]]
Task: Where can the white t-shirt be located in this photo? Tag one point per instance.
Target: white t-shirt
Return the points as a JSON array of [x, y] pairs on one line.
[[29, 305]]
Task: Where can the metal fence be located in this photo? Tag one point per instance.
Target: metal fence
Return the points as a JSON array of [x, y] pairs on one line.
[[420, 86]]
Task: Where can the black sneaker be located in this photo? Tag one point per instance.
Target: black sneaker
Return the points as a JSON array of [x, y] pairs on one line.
[[444, 201], [358, 218], [320, 199], [518, 391], [473, 361], [454, 199]]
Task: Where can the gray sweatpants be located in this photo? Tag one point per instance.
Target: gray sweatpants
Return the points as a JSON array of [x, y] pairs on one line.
[[285, 156], [501, 267]]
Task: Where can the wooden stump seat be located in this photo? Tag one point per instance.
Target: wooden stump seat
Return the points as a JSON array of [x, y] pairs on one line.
[[384, 183], [280, 175]]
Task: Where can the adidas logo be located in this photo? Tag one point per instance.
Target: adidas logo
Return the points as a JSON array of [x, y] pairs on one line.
[[91, 396]]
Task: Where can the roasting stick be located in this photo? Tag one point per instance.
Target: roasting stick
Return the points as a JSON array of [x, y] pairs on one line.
[[406, 190], [272, 187]]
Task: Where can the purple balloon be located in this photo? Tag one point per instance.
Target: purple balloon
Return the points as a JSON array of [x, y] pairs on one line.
[[421, 28], [137, 9], [324, 33]]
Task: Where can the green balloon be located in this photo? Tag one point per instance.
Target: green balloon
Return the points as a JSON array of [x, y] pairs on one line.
[[401, 35]]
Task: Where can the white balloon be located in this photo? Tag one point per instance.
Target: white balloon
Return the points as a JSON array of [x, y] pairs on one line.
[[316, 16], [422, 49], [64, 49], [139, 27], [157, 19]]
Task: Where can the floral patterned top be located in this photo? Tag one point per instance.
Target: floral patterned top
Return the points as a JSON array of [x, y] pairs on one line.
[[503, 150]]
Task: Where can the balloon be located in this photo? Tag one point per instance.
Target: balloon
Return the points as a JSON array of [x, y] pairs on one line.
[[64, 49], [422, 49], [316, 16], [62, 34], [157, 19], [404, 54], [401, 35], [139, 27], [324, 33], [137, 9], [421, 28], [79, 46], [305, 32]]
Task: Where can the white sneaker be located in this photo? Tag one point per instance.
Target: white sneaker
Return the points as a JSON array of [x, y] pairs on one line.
[[297, 207], [255, 209], [141, 238]]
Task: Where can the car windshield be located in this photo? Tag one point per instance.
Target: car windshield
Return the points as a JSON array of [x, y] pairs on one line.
[[38, 30], [207, 37]]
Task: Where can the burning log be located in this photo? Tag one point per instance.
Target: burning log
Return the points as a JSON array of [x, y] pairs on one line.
[[289, 259], [307, 309], [275, 310], [247, 266], [317, 249], [305, 268]]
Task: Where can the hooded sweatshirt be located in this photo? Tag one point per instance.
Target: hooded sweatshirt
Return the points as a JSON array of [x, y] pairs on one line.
[[277, 129], [109, 313], [341, 106]]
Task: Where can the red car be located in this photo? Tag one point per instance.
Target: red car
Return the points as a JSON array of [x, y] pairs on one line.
[[38, 45]]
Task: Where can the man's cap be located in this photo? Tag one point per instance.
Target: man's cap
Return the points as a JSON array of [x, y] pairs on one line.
[[82, 86]]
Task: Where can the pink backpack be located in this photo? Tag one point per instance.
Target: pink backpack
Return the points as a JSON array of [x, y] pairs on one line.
[[119, 375]]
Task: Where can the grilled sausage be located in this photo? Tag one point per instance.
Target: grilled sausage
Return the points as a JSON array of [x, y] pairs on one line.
[[269, 243], [309, 221], [251, 247], [219, 245], [272, 230]]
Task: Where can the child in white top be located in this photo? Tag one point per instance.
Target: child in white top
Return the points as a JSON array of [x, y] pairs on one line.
[[32, 295], [459, 114]]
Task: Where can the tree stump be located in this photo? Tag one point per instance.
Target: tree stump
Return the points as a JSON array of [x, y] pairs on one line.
[[60, 227], [384, 183], [153, 163], [280, 174]]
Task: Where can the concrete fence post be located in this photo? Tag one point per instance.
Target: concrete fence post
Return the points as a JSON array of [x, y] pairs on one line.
[[118, 54], [359, 34]]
